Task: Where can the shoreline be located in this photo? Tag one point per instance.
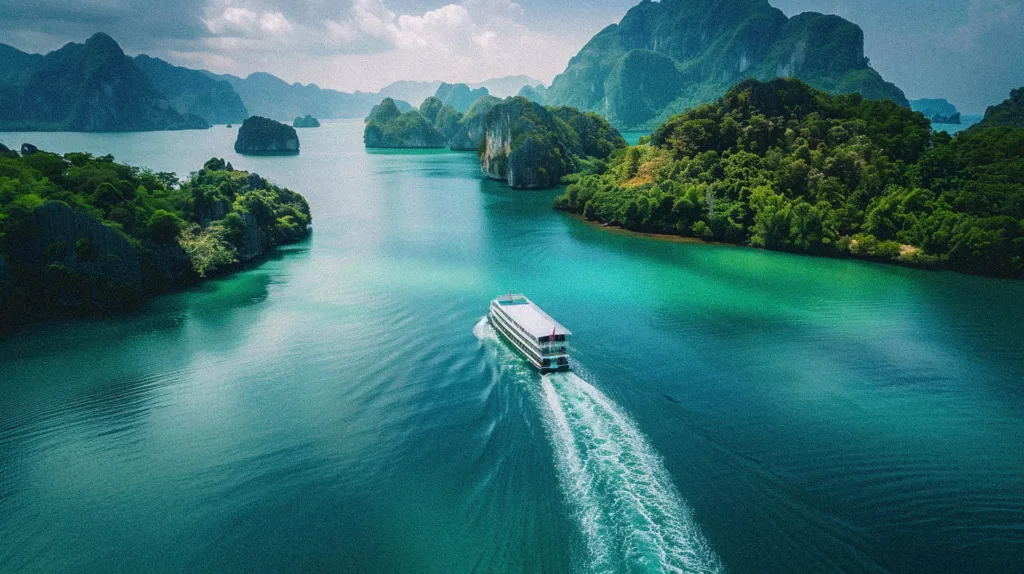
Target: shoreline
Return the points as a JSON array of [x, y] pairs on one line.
[[619, 230]]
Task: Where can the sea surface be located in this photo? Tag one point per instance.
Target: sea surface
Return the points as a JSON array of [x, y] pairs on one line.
[[965, 122], [343, 407]]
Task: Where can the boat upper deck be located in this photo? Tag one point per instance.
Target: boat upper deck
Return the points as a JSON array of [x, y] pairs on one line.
[[530, 317]]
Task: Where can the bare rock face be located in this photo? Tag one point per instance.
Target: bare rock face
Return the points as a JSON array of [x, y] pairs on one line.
[[112, 256], [6, 283], [525, 146], [530, 146], [251, 245], [262, 136], [86, 262], [470, 130]]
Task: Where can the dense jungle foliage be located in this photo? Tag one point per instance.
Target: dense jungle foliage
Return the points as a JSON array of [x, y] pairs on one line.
[[783, 166], [80, 233]]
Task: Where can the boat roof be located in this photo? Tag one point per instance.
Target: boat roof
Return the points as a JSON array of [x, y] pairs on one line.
[[530, 317]]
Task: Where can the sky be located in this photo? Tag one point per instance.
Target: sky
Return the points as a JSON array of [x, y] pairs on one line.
[[970, 52]]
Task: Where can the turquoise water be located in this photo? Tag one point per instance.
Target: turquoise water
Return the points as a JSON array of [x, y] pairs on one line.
[[632, 138], [965, 122], [342, 406]]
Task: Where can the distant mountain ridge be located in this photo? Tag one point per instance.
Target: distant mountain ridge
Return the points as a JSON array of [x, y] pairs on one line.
[[91, 87], [459, 96], [96, 87], [666, 57], [505, 86], [268, 96], [194, 92]]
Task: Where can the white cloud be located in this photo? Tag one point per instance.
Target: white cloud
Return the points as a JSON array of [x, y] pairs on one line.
[[485, 39], [243, 21], [231, 20], [368, 45], [275, 23]]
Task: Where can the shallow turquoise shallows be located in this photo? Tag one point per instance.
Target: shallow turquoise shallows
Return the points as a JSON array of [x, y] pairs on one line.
[[342, 407]]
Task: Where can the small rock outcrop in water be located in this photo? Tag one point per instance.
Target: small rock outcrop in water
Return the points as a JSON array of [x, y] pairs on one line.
[[306, 122], [533, 147], [938, 110], [1010, 113], [388, 127], [262, 136]]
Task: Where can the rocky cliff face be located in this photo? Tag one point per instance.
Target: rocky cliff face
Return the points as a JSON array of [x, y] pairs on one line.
[[666, 57], [262, 136], [71, 244], [251, 247], [533, 147], [87, 87], [86, 262], [470, 130], [6, 288], [64, 233], [496, 145]]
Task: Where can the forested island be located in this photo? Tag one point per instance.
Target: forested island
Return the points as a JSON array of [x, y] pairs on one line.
[[518, 141], [82, 234], [784, 166], [306, 122], [263, 136], [531, 146], [389, 127]]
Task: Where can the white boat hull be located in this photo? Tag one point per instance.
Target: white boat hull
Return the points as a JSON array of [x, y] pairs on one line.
[[528, 347]]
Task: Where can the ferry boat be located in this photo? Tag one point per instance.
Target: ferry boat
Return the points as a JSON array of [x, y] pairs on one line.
[[541, 339]]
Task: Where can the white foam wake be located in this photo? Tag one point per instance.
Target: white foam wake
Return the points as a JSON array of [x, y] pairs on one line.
[[630, 514]]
